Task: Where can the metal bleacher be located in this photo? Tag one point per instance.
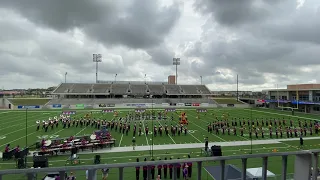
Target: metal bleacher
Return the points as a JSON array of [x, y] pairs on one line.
[[81, 88], [190, 89], [119, 89], [101, 88], [156, 89], [203, 89], [172, 89], [138, 89], [63, 88]]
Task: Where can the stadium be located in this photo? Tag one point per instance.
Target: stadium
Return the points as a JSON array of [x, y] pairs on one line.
[[166, 121]]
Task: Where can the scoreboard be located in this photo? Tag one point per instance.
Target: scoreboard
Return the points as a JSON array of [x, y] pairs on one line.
[[140, 110], [202, 110], [108, 111], [69, 112]]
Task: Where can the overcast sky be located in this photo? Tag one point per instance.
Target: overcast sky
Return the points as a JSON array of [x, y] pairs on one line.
[[266, 42]]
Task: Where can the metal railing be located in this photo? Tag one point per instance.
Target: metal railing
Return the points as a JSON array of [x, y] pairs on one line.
[[304, 160]]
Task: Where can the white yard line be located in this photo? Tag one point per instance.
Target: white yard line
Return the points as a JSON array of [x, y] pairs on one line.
[[120, 140], [168, 134], [281, 114], [80, 131], [17, 139], [145, 133], [194, 137]]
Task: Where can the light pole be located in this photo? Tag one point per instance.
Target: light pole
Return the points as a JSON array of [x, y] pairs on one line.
[[115, 78], [26, 136], [201, 80], [145, 78], [176, 62], [65, 77], [97, 58]]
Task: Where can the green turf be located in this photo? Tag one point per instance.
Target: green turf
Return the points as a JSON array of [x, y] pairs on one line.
[[12, 130], [29, 101], [227, 101]]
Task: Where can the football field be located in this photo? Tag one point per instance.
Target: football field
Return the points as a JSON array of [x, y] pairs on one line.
[[13, 131]]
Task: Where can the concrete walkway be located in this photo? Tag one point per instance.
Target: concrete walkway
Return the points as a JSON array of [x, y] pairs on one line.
[[195, 145]]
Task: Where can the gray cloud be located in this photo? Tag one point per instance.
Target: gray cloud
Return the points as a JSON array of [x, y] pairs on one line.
[[140, 24]]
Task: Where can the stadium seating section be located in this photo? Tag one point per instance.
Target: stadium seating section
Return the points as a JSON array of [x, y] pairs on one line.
[[131, 89]]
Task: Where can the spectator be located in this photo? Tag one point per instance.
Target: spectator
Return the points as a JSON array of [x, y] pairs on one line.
[[7, 149], [105, 173], [185, 172], [137, 171], [71, 177]]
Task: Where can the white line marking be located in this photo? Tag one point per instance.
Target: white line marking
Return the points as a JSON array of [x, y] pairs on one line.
[[145, 134], [120, 140]]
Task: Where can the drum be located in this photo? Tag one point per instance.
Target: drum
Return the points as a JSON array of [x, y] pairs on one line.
[[93, 137], [47, 143]]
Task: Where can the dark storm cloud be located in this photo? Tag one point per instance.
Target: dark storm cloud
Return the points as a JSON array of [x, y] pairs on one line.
[[271, 37], [141, 24], [235, 12]]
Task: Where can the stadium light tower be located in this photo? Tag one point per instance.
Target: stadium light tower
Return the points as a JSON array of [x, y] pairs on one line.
[[65, 77], [201, 80], [145, 78], [115, 78], [176, 62], [97, 58]]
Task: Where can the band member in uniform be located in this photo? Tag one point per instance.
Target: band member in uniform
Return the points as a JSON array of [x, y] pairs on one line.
[[170, 169], [145, 170], [38, 125], [159, 169], [137, 171], [165, 170]]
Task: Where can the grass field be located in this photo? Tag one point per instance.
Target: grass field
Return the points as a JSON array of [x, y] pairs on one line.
[[13, 131], [29, 101]]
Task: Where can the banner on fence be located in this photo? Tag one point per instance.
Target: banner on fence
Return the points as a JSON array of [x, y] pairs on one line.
[[180, 104], [174, 104], [187, 104], [56, 106], [165, 104], [28, 107], [108, 111], [195, 104], [69, 112], [204, 104], [171, 110], [80, 106], [140, 110], [202, 110], [230, 105], [102, 105], [111, 105]]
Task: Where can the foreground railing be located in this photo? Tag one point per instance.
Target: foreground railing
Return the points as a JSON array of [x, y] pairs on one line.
[[304, 160]]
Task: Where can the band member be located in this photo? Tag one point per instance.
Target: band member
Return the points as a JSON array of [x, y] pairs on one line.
[[170, 169], [38, 125], [145, 170], [137, 171], [165, 170], [159, 169]]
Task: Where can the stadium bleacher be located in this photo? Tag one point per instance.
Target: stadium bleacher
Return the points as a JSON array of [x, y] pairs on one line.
[[172, 89], [156, 89], [64, 87], [122, 89], [81, 88], [119, 89], [101, 88], [138, 89], [190, 89], [203, 89]]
